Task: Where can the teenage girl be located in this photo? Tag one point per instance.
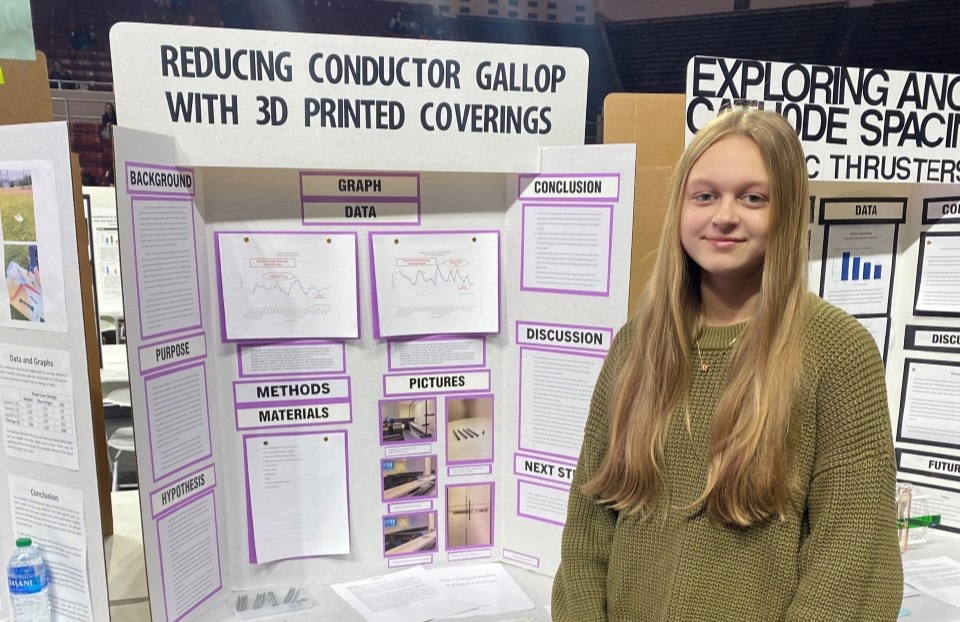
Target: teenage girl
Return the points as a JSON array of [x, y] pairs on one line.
[[737, 463]]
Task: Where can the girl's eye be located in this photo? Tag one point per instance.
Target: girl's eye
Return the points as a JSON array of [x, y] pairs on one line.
[[754, 199], [702, 197]]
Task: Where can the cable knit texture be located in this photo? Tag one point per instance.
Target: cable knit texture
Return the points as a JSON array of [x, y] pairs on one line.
[[834, 559]]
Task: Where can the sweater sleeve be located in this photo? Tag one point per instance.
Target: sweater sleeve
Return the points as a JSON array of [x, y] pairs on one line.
[[849, 562], [580, 585]]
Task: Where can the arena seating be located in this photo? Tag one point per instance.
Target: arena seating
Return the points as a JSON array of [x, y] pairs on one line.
[[639, 56], [652, 55], [95, 151], [920, 36]]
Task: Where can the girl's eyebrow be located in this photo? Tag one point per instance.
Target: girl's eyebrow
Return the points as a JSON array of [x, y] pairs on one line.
[[749, 184]]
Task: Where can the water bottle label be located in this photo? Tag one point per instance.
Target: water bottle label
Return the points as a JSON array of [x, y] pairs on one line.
[[25, 581]]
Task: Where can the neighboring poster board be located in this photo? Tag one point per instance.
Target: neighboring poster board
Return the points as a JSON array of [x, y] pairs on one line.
[[883, 149], [48, 461]]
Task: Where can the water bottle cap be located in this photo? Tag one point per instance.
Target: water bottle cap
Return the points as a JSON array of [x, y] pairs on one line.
[[22, 542]]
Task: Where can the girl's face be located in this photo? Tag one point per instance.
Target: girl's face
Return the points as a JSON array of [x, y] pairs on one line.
[[108, 109], [725, 214]]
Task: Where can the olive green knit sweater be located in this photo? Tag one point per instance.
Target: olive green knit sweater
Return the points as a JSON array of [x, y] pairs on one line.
[[835, 559]]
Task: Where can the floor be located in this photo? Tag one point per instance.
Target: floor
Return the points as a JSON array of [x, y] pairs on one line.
[[126, 573]]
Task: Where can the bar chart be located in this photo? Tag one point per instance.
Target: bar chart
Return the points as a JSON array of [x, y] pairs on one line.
[[855, 268], [859, 266]]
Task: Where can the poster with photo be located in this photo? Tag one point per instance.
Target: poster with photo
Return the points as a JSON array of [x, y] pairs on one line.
[[469, 429], [469, 516], [30, 232], [408, 478], [18, 222], [407, 534], [404, 422]]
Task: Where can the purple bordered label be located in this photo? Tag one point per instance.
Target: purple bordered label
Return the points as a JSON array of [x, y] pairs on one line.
[[355, 198], [182, 490], [546, 504], [267, 416], [432, 383], [158, 179], [476, 469], [436, 352], [407, 450], [543, 468], [291, 358], [409, 506], [463, 555], [570, 186], [308, 401], [292, 391], [160, 355], [566, 336], [521, 558], [412, 560]]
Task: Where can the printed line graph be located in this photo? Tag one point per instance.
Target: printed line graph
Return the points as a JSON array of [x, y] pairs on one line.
[[436, 282], [294, 285], [416, 279], [285, 297], [291, 288], [422, 271], [285, 285]]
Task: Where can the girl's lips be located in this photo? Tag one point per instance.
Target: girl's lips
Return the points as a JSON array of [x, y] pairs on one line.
[[723, 242]]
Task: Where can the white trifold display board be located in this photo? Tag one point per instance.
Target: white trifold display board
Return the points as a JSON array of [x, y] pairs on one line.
[[100, 205], [884, 164], [350, 353], [48, 472]]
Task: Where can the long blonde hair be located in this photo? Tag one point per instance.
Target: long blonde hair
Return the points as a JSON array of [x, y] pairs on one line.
[[749, 453]]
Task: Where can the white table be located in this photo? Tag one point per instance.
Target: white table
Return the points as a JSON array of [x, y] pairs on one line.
[[113, 377], [126, 578], [924, 608]]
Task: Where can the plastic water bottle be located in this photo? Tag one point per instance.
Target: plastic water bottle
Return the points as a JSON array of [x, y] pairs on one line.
[[27, 580]]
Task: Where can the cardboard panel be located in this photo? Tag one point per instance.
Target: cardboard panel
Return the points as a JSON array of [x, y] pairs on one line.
[[24, 91], [92, 336], [655, 123], [649, 209]]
